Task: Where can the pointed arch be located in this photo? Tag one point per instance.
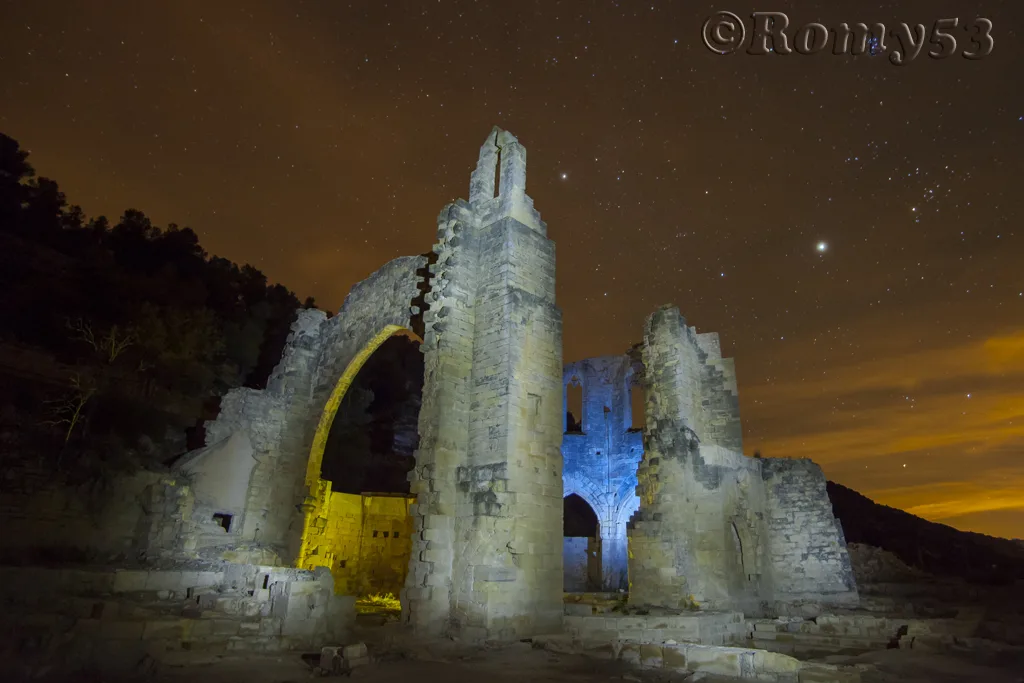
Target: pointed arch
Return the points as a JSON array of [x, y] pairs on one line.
[[323, 429]]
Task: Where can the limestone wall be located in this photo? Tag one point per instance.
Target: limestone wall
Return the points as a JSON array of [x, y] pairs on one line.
[[808, 557], [491, 419], [574, 564], [220, 477], [716, 529], [697, 539], [486, 558], [286, 425], [581, 558]]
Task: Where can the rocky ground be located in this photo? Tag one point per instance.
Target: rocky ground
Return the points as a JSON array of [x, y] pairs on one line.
[[964, 633], [521, 662]]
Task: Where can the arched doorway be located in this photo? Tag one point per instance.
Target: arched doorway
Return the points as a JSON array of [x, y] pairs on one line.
[[357, 520], [582, 546]]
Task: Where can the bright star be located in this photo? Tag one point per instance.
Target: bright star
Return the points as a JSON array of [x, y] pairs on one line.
[[565, 176], [822, 247]]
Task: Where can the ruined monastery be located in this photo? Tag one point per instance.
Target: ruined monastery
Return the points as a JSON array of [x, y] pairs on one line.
[[688, 529]]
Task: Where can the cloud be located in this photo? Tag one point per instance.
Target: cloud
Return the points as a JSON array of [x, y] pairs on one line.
[[996, 490], [947, 424]]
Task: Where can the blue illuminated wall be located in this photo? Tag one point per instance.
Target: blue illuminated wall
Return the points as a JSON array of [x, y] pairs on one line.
[[600, 463]]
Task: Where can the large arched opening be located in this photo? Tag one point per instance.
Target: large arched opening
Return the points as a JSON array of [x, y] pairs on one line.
[[357, 518], [582, 546]]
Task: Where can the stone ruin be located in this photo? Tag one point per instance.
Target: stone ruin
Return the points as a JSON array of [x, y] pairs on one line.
[[688, 526]]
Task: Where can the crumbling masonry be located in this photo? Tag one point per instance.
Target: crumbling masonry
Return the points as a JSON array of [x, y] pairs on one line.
[[685, 519], [486, 559], [707, 527]]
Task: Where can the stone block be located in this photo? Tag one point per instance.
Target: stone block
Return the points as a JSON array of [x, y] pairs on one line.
[[331, 660], [714, 660], [164, 629], [825, 673], [121, 630], [578, 610], [651, 656], [629, 653], [354, 651], [270, 626], [130, 581], [225, 627]]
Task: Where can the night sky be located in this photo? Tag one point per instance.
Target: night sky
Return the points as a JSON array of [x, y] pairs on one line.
[[851, 228]]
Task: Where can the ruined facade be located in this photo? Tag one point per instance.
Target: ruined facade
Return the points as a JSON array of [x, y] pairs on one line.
[[486, 556], [707, 527], [716, 529], [683, 519]]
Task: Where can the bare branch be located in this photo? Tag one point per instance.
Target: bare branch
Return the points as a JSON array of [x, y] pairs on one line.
[[68, 411], [117, 341], [82, 331]]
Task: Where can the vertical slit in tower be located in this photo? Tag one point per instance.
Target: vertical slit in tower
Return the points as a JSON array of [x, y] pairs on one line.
[[497, 174]]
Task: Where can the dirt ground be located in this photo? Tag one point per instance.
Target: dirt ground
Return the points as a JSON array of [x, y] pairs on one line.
[[513, 664], [521, 662]]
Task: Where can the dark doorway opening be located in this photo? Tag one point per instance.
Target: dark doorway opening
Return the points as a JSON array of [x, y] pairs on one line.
[[581, 546]]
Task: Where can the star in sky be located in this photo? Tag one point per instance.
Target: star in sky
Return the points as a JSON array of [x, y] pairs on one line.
[[698, 180]]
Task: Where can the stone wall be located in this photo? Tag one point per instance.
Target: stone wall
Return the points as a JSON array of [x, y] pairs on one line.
[[145, 514], [491, 416], [60, 621], [581, 557], [285, 426], [365, 541], [716, 529], [696, 539], [807, 550], [486, 561], [599, 464]]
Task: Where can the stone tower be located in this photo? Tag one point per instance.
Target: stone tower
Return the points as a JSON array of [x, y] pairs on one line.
[[487, 555]]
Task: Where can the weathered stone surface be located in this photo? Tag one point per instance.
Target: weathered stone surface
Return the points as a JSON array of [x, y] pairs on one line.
[[710, 529], [486, 555], [807, 550], [715, 529]]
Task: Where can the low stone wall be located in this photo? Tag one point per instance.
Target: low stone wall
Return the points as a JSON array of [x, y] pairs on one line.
[[43, 518], [851, 633], [735, 662], [70, 619], [709, 628]]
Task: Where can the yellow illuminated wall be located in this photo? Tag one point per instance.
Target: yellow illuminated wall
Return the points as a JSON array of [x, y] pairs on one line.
[[363, 539]]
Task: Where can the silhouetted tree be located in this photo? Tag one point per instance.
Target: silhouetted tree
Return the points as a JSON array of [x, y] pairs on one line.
[[192, 325]]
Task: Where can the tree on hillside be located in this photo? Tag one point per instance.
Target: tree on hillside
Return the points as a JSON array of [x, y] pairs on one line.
[[198, 324]]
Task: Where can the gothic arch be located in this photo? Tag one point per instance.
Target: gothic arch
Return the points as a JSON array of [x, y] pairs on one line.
[[330, 408], [587, 490], [290, 420]]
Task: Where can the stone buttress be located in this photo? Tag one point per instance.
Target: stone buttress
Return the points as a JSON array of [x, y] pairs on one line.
[[487, 558]]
